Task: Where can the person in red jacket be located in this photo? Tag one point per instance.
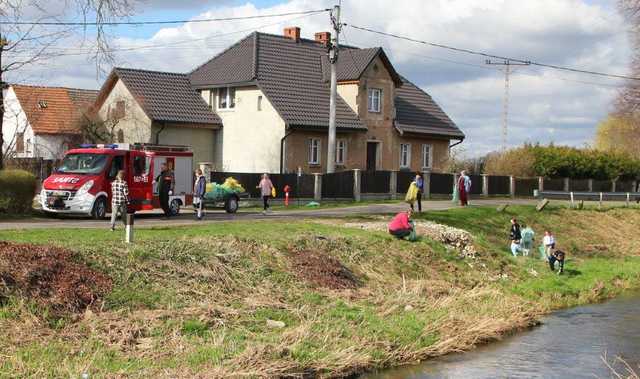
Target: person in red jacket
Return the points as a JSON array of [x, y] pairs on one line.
[[401, 225]]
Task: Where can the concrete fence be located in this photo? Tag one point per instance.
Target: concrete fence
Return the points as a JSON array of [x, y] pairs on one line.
[[360, 185]]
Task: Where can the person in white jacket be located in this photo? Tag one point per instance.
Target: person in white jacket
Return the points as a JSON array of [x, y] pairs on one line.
[[549, 243]]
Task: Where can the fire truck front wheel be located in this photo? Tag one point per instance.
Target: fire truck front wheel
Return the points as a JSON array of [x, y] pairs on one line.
[[99, 210]]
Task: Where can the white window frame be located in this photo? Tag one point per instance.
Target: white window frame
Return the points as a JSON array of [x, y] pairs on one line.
[[341, 145], [374, 106], [429, 156], [406, 164], [315, 143], [230, 103]]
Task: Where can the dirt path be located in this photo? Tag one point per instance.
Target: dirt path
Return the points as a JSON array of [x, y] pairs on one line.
[[152, 219]]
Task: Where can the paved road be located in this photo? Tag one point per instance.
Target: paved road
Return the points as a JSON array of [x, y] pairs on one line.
[[151, 219]]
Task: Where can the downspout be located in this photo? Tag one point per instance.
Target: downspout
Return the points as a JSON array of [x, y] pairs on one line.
[[282, 140], [164, 125]]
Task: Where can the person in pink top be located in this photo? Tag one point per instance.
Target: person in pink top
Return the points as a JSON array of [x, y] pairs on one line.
[[401, 226], [265, 187]]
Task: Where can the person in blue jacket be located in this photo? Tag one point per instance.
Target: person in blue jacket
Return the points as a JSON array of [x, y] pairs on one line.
[[420, 184]]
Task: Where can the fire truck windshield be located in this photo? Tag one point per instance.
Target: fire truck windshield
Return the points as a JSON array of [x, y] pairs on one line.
[[90, 164]]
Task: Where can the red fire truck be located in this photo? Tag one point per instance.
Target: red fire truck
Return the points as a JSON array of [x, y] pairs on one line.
[[82, 183]]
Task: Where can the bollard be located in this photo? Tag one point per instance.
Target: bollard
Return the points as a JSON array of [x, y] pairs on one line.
[[628, 196], [129, 228], [600, 202], [572, 203]]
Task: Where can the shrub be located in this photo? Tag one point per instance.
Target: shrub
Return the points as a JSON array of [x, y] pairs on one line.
[[17, 189]]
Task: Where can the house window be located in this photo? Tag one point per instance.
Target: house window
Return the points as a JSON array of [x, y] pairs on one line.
[[120, 136], [375, 96], [226, 98], [20, 143], [259, 103], [314, 151], [405, 155], [117, 112], [426, 156], [341, 152]]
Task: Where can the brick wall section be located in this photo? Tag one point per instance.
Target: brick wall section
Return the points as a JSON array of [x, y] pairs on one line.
[[380, 129]]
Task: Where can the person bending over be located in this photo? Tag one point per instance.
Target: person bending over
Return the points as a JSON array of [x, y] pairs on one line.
[[401, 225]]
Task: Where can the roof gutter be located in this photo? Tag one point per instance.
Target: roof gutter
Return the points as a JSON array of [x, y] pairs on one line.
[[282, 140]]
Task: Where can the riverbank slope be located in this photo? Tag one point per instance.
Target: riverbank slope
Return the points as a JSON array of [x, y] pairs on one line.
[[271, 298]]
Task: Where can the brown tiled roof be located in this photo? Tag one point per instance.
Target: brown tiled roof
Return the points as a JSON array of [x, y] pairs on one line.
[[416, 112], [289, 73], [54, 110], [164, 96], [353, 62]]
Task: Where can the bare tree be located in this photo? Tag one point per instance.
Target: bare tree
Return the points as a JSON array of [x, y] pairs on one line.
[[24, 45], [628, 102]]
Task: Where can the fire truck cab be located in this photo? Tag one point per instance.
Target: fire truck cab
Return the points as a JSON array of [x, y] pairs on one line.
[[82, 183]]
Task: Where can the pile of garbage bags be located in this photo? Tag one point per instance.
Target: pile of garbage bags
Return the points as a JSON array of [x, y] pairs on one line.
[[218, 191]]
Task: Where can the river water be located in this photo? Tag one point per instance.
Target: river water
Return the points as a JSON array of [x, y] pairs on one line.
[[568, 344]]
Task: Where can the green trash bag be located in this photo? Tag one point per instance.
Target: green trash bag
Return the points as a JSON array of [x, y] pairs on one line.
[[543, 255], [412, 237]]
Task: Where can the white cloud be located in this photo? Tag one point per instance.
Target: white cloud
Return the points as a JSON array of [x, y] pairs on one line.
[[545, 105]]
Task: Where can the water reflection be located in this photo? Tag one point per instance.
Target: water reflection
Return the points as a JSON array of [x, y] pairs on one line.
[[569, 344]]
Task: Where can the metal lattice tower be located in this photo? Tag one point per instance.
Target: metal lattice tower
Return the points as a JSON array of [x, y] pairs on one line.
[[505, 102]]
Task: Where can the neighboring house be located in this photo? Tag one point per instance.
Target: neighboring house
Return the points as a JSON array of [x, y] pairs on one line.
[[265, 101], [43, 122], [159, 108]]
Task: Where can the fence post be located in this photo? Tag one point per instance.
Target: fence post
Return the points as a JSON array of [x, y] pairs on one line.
[[634, 186], [357, 179], [317, 187], [485, 185], [566, 185], [393, 184], [540, 184], [512, 186], [590, 184], [613, 185], [455, 181], [426, 180]]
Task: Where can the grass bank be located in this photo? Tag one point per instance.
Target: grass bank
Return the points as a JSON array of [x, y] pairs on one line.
[[284, 298]]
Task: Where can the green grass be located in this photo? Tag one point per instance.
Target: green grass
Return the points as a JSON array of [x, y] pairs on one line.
[[195, 300]]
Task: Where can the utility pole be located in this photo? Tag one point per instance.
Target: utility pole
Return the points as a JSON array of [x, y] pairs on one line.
[[505, 102], [3, 43], [333, 59]]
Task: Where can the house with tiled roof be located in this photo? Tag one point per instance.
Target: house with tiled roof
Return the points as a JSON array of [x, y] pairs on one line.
[[43, 122], [262, 105]]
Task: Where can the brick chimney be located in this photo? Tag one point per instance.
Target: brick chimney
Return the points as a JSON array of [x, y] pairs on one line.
[[293, 33], [323, 38]]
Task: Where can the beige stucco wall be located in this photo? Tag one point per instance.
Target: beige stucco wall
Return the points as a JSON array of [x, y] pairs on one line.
[[201, 140], [349, 93], [135, 125], [251, 138]]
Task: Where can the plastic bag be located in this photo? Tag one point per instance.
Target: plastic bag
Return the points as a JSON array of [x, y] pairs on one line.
[[233, 185], [273, 191], [412, 193]]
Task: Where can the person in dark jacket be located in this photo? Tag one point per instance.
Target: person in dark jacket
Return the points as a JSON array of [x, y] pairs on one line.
[[515, 236], [557, 256], [199, 189], [166, 184]]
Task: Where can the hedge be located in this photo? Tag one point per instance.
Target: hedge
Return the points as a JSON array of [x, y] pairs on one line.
[[17, 189]]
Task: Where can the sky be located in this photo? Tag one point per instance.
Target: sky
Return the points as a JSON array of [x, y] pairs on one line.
[[545, 105]]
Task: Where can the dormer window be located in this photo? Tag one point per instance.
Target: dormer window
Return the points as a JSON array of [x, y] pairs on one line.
[[42, 104], [374, 100], [226, 98]]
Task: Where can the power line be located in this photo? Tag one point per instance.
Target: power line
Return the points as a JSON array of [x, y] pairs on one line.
[[88, 51], [164, 22], [487, 55]]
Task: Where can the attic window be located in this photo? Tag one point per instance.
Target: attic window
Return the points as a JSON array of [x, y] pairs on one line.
[[226, 98], [42, 104]]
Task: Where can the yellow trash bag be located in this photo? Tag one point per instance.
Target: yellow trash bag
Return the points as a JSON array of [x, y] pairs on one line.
[[232, 184], [273, 191], [412, 193]]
